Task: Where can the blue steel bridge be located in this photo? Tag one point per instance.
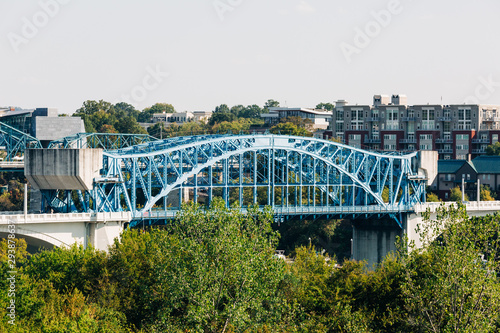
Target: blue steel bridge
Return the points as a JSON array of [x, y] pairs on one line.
[[296, 176]]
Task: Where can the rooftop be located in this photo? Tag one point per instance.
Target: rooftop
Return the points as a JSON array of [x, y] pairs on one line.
[[487, 164], [450, 166]]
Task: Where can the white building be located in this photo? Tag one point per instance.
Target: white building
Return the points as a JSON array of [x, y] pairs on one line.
[[320, 119], [181, 117]]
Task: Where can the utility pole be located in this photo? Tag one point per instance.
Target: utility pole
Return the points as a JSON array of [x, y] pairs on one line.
[[478, 191], [463, 188]]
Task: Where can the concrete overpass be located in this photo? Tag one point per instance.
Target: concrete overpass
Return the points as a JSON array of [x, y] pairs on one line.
[[56, 230], [373, 239]]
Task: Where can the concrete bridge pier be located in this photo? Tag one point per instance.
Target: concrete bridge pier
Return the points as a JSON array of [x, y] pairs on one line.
[[102, 235], [374, 238]]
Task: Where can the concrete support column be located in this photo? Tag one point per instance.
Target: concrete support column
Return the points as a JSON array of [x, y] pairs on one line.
[[102, 235], [374, 239], [25, 202]]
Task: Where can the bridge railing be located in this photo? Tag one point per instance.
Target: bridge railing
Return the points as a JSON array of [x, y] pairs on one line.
[[65, 217], [469, 206], [304, 210]]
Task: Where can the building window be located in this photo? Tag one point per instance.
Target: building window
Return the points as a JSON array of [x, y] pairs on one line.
[[390, 147]]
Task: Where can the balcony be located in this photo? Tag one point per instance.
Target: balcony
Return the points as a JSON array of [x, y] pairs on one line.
[[445, 151], [445, 119], [372, 119], [372, 141], [408, 141], [490, 119], [444, 140], [480, 140], [408, 119], [479, 151]]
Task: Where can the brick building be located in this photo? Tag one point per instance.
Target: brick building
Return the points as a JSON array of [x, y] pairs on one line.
[[458, 131]]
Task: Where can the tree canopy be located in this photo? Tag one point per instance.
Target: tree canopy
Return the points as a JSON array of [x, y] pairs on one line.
[[104, 117], [493, 149], [289, 129]]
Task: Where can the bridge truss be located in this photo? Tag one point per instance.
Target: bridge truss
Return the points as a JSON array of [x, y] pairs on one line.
[[107, 141], [294, 175], [14, 142]]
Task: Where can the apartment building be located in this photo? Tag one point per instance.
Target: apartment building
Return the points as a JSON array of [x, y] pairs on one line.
[[459, 131]]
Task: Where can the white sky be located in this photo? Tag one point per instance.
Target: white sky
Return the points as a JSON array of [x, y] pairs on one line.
[[287, 50]]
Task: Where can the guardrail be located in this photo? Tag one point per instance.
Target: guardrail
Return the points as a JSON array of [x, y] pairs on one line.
[[13, 164], [305, 210], [65, 218], [469, 206]]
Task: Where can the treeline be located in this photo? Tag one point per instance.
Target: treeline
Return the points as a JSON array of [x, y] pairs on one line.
[[215, 271], [104, 117], [12, 191]]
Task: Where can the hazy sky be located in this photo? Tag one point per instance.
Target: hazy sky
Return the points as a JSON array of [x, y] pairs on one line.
[[196, 54]]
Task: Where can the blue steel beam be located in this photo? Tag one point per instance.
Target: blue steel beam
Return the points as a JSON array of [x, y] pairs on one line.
[[15, 142], [106, 141]]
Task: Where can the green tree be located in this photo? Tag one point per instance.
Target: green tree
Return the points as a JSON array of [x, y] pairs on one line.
[[271, 103], [217, 271], [493, 149], [312, 272], [485, 194], [17, 251], [129, 124], [126, 109], [326, 106], [95, 114], [13, 198], [192, 128], [219, 117], [456, 195], [90, 107], [385, 194], [289, 129], [299, 122], [223, 108], [234, 126], [432, 197], [237, 110], [107, 129], [104, 117], [146, 115], [451, 282], [251, 112], [67, 269], [131, 267]]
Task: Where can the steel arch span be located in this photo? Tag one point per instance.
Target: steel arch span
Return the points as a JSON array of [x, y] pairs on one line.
[[294, 175]]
